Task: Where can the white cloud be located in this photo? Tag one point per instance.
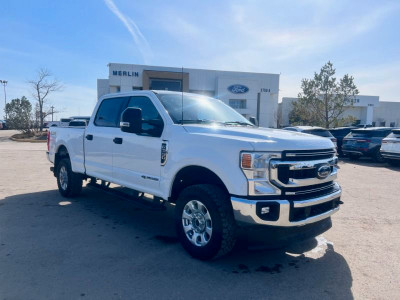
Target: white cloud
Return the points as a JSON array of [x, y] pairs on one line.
[[138, 37]]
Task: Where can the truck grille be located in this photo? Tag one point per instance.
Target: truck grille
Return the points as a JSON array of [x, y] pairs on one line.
[[296, 173], [308, 154]]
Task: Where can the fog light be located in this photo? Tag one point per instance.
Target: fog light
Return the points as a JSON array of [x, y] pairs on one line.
[[268, 210]]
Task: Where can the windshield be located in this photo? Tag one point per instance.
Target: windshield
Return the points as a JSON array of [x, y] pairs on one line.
[[200, 109], [319, 132]]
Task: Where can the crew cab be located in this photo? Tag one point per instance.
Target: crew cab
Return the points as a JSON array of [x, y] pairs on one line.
[[219, 170], [365, 142], [390, 149]]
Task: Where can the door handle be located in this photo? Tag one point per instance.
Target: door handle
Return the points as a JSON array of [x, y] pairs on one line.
[[89, 137], [117, 140]]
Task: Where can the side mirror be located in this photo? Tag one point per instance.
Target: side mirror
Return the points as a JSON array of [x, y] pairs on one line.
[[131, 120], [253, 120]]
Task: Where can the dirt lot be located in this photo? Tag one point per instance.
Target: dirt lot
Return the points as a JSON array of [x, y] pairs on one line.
[[102, 247]]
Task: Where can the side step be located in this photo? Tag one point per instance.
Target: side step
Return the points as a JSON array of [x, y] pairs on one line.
[[154, 204]]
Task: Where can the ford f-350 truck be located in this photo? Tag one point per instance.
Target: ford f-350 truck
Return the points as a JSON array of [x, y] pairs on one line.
[[221, 171]]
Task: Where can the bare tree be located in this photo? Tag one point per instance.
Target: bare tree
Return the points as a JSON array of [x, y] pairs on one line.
[[42, 87]]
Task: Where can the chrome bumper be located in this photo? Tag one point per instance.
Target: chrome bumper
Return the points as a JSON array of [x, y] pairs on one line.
[[245, 210]]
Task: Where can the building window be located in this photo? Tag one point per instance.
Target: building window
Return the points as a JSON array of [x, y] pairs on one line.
[[392, 124], [118, 88], [237, 103], [136, 88], [373, 124], [166, 84], [382, 124]]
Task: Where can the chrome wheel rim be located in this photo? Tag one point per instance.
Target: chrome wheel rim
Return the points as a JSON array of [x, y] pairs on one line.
[[63, 178], [197, 223]]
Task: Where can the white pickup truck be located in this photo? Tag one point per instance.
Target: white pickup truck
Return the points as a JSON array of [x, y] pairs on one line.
[[221, 171]]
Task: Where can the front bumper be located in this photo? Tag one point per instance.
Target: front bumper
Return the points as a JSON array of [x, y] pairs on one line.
[[250, 211]]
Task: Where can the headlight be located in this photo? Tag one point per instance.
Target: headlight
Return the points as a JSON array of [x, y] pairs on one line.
[[255, 166]]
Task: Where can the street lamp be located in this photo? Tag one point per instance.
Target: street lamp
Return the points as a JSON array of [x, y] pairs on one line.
[[4, 83]]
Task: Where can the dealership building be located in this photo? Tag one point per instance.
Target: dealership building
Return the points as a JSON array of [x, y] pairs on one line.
[[251, 94], [367, 110]]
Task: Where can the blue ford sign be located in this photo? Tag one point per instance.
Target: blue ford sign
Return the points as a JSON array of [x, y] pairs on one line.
[[238, 89]]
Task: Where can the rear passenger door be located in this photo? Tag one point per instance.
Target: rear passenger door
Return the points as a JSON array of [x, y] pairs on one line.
[[137, 159], [99, 137]]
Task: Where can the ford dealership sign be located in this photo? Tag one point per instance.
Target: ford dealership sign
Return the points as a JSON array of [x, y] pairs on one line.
[[238, 89]]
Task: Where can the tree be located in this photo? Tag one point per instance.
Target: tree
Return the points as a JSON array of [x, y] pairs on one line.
[[42, 87], [19, 114], [323, 99]]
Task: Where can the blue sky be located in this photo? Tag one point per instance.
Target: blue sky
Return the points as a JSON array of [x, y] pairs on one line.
[[76, 39]]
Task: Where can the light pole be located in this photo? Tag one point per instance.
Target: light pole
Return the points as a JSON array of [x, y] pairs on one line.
[[4, 83]]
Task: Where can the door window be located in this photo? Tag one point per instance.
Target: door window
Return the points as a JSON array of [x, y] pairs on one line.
[[152, 123], [109, 112]]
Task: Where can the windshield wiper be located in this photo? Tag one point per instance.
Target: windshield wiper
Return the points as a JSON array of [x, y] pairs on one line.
[[237, 123], [199, 121]]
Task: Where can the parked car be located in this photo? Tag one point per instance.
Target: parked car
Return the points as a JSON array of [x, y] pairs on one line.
[[314, 130], [3, 125], [218, 169], [390, 148], [78, 123], [339, 133], [365, 142]]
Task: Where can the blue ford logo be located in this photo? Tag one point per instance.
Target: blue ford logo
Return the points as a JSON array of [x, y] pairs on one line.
[[238, 89], [323, 171]]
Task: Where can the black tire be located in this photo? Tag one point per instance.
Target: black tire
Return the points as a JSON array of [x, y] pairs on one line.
[[217, 202], [393, 162], [354, 156], [378, 157], [73, 185]]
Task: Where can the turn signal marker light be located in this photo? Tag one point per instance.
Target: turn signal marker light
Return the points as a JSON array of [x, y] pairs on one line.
[[246, 161]]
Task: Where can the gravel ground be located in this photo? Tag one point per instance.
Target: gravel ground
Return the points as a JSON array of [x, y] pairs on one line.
[[99, 246]]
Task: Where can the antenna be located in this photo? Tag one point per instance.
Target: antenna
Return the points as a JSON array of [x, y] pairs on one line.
[[182, 95]]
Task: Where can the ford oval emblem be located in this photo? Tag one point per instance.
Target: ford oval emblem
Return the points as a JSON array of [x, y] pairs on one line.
[[323, 171], [238, 89]]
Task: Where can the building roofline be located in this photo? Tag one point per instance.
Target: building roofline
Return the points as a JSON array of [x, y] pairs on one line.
[[200, 69]]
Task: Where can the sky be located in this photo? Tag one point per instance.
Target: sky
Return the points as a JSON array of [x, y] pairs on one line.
[[76, 40]]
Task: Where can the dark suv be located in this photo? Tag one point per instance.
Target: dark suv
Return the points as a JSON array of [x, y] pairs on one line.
[[339, 133], [365, 142]]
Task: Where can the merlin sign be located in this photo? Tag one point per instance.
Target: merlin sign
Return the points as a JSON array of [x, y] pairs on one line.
[[238, 89], [125, 73]]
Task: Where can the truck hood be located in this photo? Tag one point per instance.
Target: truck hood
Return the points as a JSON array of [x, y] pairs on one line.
[[264, 139]]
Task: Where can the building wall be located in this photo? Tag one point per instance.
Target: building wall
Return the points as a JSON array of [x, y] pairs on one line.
[[388, 112], [263, 88], [366, 109]]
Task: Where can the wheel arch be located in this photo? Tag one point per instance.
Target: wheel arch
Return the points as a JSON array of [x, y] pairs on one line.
[[62, 152], [191, 175]]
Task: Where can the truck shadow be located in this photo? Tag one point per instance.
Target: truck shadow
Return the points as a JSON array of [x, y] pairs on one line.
[[108, 248]]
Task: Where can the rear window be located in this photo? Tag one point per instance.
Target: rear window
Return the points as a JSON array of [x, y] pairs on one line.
[[65, 120], [109, 112], [369, 133], [319, 132]]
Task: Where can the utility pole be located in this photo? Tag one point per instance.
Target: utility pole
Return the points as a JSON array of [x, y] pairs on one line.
[[4, 83], [52, 112]]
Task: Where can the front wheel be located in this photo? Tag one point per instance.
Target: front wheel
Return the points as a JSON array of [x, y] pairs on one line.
[[69, 183], [204, 221]]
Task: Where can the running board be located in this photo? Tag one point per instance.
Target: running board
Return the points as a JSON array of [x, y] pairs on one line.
[[155, 204]]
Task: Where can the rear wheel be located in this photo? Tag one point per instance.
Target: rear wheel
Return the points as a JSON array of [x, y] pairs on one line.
[[204, 221], [378, 157], [69, 183]]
